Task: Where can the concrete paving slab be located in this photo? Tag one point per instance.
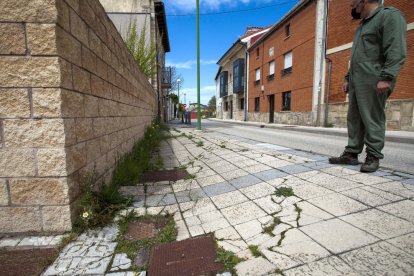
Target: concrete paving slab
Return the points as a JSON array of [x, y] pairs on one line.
[[338, 236], [380, 259], [257, 191], [218, 189], [331, 266], [294, 169], [311, 214], [234, 174], [256, 168], [338, 204], [249, 229], [403, 209], [213, 179], [229, 199], [369, 197], [397, 188], [404, 242], [243, 212], [245, 181], [379, 224], [257, 266], [268, 205], [306, 190], [270, 175]]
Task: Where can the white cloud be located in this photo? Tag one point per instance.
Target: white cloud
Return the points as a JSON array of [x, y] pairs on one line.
[[206, 93], [189, 64]]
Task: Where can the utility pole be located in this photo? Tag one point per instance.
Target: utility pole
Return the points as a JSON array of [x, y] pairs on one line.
[[198, 63]]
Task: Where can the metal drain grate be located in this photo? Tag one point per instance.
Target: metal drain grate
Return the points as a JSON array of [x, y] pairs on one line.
[[189, 257]]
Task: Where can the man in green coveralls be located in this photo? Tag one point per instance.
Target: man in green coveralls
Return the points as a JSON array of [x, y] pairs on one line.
[[378, 53]]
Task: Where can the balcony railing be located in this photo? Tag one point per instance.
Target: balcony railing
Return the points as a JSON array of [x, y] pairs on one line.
[[166, 77]]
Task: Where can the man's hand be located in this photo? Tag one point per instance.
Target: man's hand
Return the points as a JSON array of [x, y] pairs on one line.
[[345, 87], [383, 87]]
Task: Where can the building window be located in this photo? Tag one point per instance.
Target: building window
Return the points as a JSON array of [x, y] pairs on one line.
[[226, 106], [287, 30], [238, 72], [241, 104], [288, 63], [257, 52], [223, 84], [256, 104], [271, 52], [271, 70], [257, 80], [286, 101]]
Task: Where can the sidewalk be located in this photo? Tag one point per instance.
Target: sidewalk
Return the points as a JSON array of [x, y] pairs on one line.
[[338, 222], [406, 137]]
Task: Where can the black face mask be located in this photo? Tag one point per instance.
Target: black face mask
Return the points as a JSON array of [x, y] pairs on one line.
[[355, 14]]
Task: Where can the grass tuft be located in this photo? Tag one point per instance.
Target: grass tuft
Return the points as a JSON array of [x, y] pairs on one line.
[[255, 250], [284, 191], [269, 229]]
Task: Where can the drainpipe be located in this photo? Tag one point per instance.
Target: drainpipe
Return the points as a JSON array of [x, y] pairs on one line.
[[324, 31], [327, 91]]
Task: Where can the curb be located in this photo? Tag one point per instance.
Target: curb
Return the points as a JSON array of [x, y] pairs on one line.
[[408, 138]]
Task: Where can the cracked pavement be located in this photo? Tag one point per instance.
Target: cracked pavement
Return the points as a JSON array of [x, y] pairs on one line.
[[339, 221]]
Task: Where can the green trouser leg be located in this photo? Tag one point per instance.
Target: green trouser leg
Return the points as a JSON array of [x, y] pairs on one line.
[[366, 121]]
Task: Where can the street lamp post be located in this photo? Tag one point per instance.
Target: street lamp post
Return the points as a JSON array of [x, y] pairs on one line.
[[198, 63]]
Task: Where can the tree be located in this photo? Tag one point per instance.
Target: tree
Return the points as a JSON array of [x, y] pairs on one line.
[[174, 77], [212, 105], [145, 55]]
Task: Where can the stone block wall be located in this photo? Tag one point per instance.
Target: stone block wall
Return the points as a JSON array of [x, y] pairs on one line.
[[72, 101], [399, 114], [286, 118]]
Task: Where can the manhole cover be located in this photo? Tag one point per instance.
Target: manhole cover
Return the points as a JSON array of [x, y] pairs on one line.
[[190, 257], [24, 262], [139, 231], [171, 175]]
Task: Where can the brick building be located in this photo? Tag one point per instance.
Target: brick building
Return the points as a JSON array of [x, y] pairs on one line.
[[340, 34], [281, 69], [231, 77]]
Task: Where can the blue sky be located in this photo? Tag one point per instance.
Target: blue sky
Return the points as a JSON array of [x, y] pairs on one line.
[[218, 32]]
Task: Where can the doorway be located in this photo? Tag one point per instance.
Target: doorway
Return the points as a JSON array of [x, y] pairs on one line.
[[271, 108], [231, 109]]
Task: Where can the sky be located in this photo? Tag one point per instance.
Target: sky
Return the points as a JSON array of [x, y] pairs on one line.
[[222, 22]]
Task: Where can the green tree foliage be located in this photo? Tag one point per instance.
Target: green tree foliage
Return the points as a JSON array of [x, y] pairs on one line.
[[145, 55], [212, 104]]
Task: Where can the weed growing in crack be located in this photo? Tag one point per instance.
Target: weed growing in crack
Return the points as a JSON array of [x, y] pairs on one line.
[[130, 168], [200, 144], [278, 271], [299, 211], [282, 237], [269, 229], [284, 191], [223, 146], [228, 259], [189, 177], [255, 250]]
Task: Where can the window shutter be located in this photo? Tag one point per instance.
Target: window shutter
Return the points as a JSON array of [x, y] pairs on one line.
[[272, 68], [288, 60], [258, 74]]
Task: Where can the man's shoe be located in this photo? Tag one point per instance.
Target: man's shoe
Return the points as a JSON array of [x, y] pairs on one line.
[[371, 164], [346, 158]]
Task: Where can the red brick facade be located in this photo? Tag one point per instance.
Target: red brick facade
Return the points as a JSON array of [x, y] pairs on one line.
[[341, 30], [299, 82]]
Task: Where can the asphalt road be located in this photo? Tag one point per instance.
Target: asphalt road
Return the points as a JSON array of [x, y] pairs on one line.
[[398, 156]]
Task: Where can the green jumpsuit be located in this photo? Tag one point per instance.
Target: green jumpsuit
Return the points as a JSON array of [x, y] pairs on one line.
[[378, 53]]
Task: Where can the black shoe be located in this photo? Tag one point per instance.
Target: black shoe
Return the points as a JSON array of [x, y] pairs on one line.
[[371, 164], [346, 158]]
